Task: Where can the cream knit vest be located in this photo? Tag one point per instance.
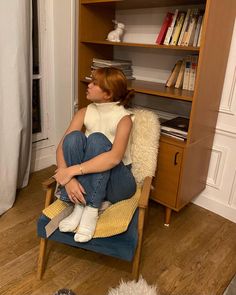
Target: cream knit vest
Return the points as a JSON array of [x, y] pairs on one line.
[[104, 118]]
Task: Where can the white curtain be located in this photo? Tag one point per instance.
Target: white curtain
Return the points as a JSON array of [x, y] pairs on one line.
[[15, 98]]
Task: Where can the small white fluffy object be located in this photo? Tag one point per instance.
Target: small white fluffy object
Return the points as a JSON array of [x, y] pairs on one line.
[[132, 287]]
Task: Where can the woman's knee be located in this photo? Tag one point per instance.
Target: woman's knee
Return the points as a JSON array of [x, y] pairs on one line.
[[99, 140], [73, 139]]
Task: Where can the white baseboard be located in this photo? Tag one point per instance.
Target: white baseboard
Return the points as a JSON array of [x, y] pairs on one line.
[[216, 207], [43, 158]]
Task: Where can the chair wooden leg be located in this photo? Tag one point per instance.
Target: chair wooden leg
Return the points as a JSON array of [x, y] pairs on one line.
[[136, 260], [41, 259]]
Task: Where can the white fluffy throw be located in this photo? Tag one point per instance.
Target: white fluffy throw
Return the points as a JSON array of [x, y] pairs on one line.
[[145, 143], [134, 288]]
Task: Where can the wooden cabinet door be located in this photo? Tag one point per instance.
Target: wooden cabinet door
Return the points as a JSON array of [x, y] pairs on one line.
[[166, 181]]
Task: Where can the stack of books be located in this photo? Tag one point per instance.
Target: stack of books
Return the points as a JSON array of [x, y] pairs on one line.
[[183, 74], [124, 65], [181, 28], [177, 128]]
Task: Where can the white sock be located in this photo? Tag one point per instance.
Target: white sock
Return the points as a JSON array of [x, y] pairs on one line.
[[87, 225], [70, 223]]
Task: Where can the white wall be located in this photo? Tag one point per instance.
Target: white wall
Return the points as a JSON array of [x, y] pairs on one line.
[[220, 193]]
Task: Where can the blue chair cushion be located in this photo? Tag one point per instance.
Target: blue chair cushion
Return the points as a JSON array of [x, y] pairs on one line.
[[121, 246]]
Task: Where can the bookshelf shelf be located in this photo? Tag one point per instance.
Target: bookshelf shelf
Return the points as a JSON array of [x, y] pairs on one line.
[[157, 89], [155, 46], [131, 4], [182, 166]]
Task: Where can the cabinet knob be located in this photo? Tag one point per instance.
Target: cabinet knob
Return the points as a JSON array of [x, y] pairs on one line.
[[175, 159]]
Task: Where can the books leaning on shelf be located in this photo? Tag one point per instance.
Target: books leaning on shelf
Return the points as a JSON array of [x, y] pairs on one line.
[[174, 74], [166, 23], [177, 128], [181, 28], [190, 72], [124, 65], [177, 28], [171, 28], [180, 78], [183, 74]]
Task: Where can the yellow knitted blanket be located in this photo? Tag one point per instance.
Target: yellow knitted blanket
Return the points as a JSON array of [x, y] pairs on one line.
[[114, 220]]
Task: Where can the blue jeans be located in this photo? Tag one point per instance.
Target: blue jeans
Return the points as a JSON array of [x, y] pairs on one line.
[[112, 185]]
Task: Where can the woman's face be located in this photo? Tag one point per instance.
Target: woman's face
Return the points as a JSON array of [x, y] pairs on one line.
[[96, 94]]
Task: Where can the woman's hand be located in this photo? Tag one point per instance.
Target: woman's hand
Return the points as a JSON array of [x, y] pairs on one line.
[[63, 175], [75, 191]]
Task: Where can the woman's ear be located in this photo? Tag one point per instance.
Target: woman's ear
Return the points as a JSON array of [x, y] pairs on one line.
[[109, 96]]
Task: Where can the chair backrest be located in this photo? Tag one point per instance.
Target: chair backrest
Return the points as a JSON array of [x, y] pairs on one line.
[[145, 143]]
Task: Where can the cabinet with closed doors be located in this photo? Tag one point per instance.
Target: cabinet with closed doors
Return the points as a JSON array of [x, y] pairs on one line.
[[182, 165]]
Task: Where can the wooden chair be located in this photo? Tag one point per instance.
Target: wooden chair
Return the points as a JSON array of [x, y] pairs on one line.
[[127, 245]]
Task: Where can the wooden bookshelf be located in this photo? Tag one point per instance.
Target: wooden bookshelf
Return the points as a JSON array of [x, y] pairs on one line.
[[182, 165]]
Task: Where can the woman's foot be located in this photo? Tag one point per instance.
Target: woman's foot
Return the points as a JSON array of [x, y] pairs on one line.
[[71, 222], [87, 225]]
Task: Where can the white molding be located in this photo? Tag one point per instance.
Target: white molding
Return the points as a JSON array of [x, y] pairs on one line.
[[228, 108], [232, 195], [216, 181], [226, 131], [216, 207]]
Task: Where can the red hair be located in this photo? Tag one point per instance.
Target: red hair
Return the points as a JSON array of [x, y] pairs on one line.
[[114, 83]]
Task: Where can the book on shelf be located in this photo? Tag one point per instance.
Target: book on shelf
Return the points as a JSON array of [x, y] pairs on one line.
[[192, 72], [197, 31], [187, 72], [174, 135], [200, 34], [191, 28], [166, 23], [174, 74], [184, 26], [180, 78], [177, 28], [178, 125], [171, 28], [112, 62], [124, 65]]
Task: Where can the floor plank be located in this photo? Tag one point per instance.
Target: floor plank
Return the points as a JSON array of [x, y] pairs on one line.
[[195, 256]]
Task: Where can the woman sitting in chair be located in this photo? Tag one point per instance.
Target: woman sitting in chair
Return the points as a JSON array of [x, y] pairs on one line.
[[96, 166]]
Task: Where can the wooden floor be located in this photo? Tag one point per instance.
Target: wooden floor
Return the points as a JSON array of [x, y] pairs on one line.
[[195, 256]]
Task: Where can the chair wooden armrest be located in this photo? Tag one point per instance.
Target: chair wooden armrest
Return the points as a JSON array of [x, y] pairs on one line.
[[49, 185], [143, 201]]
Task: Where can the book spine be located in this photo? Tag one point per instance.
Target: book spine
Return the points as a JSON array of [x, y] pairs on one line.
[[171, 28], [200, 34], [192, 73], [164, 28], [184, 27], [171, 81], [187, 73], [180, 78], [191, 29], [199, 21], [179, 24]]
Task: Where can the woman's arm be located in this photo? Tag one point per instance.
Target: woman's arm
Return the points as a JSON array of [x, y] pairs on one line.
[[76, 124], [74, 189], [104, 161]]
